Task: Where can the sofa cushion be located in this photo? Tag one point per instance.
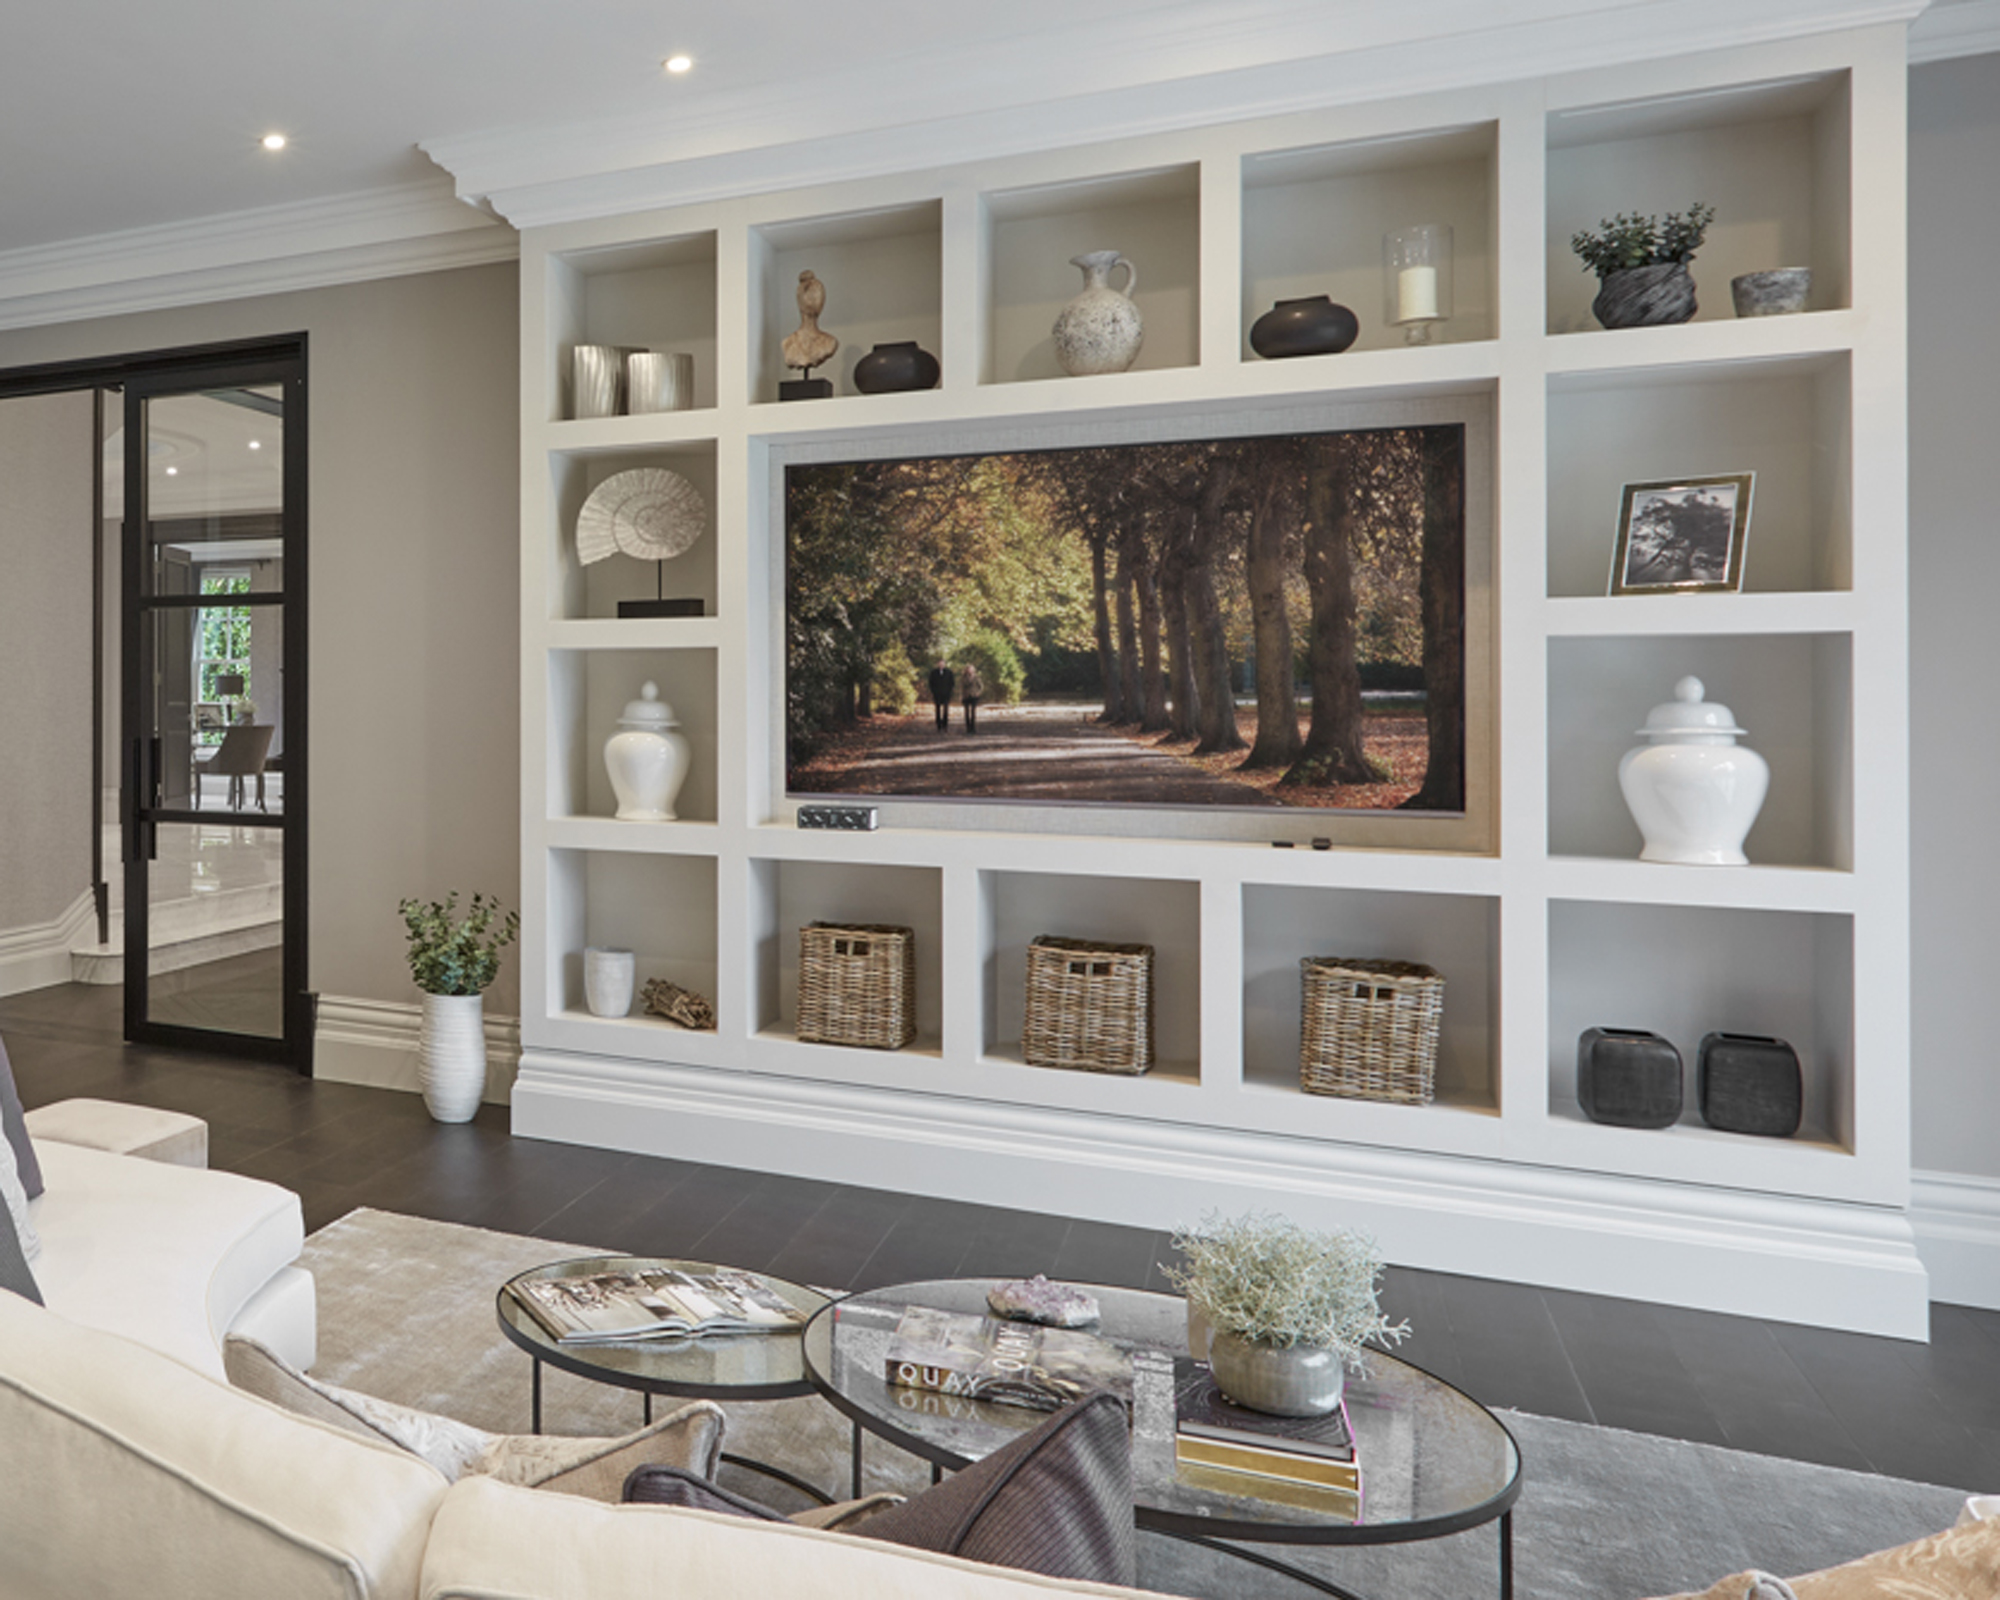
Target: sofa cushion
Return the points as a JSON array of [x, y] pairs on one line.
[[16, 1276], [597, 1468], [657, 1484], [13, 1124], [14, 1207], [492, 1541], [1057, 1501], [167, 1255], [126, 1473], [1954, 1565]]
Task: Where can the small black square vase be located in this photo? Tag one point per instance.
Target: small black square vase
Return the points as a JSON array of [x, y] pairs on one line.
[[1628, 1078], [1749, 1083]]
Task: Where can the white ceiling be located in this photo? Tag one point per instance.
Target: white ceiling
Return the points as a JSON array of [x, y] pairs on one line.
[[120, 119]]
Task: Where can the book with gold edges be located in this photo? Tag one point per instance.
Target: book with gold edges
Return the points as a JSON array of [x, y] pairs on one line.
[[1212, 1431]]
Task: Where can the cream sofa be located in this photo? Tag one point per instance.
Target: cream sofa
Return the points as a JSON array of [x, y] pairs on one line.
[[125, 1472], [173, 1256]]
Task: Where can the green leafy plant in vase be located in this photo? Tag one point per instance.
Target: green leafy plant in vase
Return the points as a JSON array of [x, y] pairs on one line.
[[1642, 266], [453, 960], [1284, 1310]]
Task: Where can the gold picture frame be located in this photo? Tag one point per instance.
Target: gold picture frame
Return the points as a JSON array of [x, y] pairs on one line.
[[1683, 535]]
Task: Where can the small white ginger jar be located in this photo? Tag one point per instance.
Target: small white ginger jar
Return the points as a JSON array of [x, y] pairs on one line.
[[647, 759], [608, 977], [1100, 330], [1693, 790]]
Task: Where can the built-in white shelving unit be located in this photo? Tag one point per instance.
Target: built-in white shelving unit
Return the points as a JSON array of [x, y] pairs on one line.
[[1534, 908]]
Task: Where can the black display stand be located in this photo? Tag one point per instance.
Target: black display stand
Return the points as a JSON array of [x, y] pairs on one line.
[[678, 606], [806, 389]]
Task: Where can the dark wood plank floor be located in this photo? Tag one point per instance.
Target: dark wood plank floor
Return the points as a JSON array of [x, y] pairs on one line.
[[1919, 1411]]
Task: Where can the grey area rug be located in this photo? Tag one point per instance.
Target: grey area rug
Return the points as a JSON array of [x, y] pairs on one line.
[[406, 1313]]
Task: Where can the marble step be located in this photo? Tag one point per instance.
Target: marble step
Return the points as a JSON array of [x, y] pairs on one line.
[[188, 933]]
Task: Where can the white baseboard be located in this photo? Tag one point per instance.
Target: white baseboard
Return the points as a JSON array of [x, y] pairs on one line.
[[1957, 1220], [374, 1042], [37, 957], [1826, 1263]]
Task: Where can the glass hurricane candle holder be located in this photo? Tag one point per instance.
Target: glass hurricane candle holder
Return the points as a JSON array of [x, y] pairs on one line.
[[1416, 279]]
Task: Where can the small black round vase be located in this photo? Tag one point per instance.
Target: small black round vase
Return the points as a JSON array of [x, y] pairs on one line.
[[892, 368], [1314, 326]]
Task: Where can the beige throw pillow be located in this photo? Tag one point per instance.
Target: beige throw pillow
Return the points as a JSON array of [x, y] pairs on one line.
[[594, 1468], [1958, 1564]]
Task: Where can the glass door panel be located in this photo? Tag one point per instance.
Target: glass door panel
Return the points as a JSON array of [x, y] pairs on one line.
[[214, 503]]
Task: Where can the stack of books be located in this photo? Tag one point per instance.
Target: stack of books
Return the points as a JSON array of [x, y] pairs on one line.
[[1307, 1462]]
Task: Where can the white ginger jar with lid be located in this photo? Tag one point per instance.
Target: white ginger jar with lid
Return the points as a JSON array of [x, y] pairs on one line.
[[1693, 790], [647, 759]]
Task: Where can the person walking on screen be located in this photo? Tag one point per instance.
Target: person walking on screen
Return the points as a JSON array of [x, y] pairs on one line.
[[970, 691], [942, 682]]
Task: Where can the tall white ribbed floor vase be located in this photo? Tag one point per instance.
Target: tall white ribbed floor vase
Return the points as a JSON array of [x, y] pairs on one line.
[[451, 1067]]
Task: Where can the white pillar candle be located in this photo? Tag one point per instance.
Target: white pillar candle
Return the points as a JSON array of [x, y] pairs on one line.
[[1417, 294]]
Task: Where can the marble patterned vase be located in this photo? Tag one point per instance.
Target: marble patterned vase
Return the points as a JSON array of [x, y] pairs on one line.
[[1645, 297], [1101, 329]]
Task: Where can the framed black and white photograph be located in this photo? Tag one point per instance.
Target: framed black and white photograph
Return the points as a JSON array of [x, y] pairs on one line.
[[1682, 535], [210, 717]]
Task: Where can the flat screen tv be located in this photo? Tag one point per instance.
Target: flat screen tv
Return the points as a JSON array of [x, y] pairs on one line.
[[1249, 623]]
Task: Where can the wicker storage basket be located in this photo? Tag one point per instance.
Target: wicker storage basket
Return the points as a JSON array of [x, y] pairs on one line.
[[1369, 1030], [1090, 1005], [857, 984]]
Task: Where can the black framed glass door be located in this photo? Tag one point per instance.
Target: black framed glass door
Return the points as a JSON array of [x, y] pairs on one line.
[[213, 789]]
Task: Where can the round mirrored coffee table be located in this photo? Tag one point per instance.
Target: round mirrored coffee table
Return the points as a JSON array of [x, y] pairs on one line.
[[1434, 1461], [717, 1366]]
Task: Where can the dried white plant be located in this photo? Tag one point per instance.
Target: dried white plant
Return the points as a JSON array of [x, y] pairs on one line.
[[1265, 1278]]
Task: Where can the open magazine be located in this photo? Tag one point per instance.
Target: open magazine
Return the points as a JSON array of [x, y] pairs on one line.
[[644, 1302]]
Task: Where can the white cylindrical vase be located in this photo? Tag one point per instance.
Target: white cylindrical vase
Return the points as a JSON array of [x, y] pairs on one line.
[[1694, 791], [647, 760], [451, 1059], [607, 981]]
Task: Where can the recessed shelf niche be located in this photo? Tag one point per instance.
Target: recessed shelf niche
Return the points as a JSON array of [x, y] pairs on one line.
[[1686, 971], [1152, 218], [1793, 694], [884, 277], [589, 690], [1017, 907], [576, 590], [1458, 935], [655, 295], [1785, 420], [786, 895], [660, 907], [1771, 157], [1314, 220]]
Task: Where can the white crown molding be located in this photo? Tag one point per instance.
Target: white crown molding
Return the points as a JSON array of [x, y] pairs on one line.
[[1956, 1216], [1824, 1263], [380, 233], [1216, 64], [1966, 28], [374, 1043]]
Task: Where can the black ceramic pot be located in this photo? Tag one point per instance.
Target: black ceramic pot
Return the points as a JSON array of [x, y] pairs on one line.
[[1314, 326], [892, 368], [1645, 297]]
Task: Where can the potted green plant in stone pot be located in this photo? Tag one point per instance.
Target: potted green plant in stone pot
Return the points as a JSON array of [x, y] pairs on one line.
[[1642, 266], [454, 959], [1284, 1310]]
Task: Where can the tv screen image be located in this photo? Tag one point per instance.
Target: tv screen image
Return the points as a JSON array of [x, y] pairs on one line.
[[1265, 622]]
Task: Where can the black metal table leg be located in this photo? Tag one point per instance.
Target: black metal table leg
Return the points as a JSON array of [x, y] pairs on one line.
[[857, 1461], [811, 1491], [649, 1407], [538, 1397], [1506, 1555]]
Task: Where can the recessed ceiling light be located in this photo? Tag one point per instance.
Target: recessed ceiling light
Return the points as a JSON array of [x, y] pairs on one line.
[[274, 141], [256, 444], [173, 472], [679, 63]]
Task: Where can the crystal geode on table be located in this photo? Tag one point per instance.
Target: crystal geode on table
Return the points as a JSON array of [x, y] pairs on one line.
[[1053, 1305]]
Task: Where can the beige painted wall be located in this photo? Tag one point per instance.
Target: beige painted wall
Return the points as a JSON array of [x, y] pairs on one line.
[[1954, 594], [46, 507], [414, 595]]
